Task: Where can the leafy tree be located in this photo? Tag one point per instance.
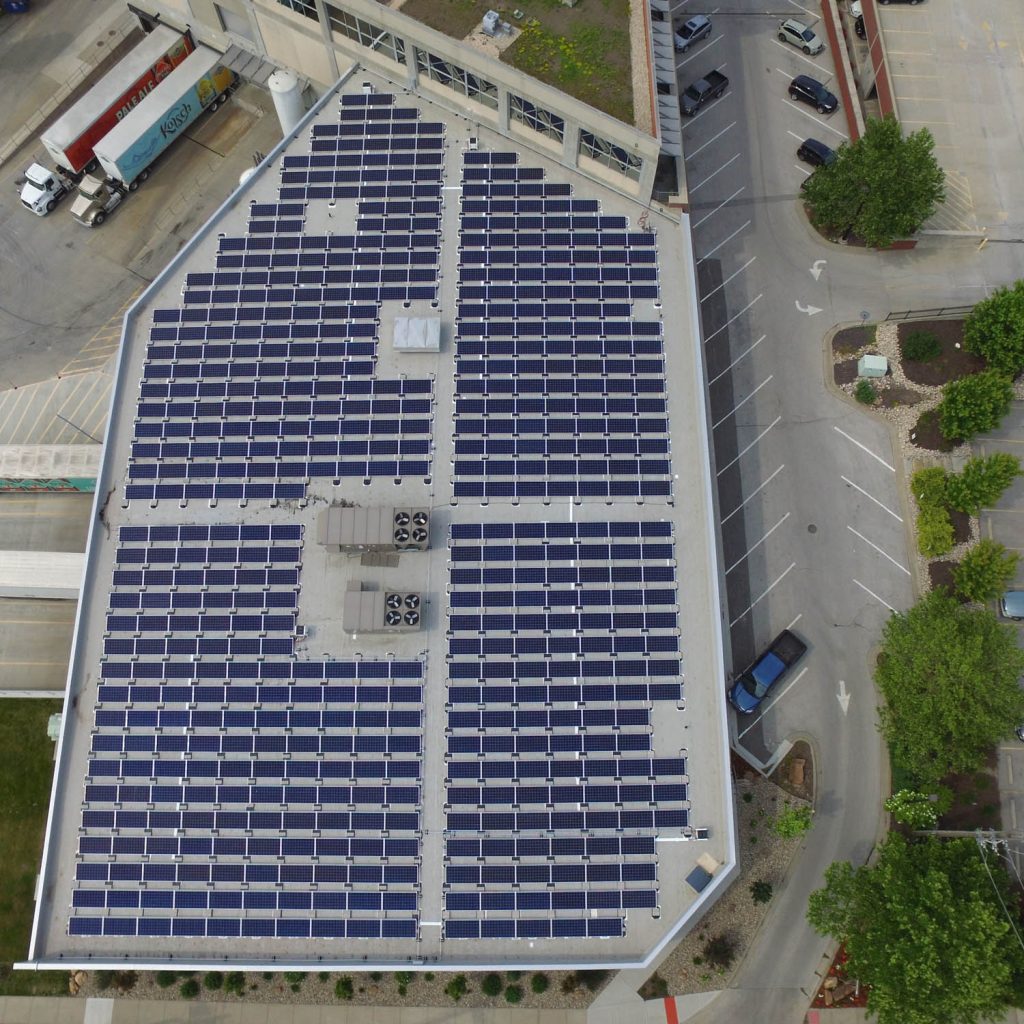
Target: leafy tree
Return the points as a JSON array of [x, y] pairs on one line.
[[985, 572], [881, 187], [934, 531], [916, 810], [981, 482], [344, 989], [924, 928], [539, 983], [994, 329], [189, 989], [928, 486], [948, 674], [761, 891], [457, 987], [793, 822], [491, 985], [975, 404], [514, 994], [214, 981]]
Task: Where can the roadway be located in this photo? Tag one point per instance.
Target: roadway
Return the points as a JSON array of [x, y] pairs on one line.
[[811, 490]]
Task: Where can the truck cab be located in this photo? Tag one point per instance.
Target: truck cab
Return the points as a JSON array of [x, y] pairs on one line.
[[96, 198], [43, 189]]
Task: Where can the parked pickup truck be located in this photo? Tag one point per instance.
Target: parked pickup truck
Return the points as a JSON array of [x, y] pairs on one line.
[[753, 684], [710, 87]]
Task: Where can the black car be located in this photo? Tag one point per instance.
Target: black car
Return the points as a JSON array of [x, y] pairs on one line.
[[911, 2], [858, 27], [810, 90], [815, 153]]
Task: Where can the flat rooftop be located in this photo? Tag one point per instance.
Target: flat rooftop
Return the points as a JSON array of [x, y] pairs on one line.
[[532, 766]]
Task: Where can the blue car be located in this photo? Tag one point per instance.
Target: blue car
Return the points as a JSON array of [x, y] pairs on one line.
[[754, 684]]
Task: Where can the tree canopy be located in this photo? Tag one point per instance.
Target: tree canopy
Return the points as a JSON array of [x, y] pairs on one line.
[[948, 675], [924, 927], [882, 187], [975, 404], [994, 329]]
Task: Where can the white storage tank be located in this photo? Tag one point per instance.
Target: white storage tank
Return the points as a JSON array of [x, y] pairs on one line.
[[287, 96]]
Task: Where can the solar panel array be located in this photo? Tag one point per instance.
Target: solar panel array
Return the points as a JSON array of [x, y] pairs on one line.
[[227, 776], [264, 379], [562, 645], [560, 390]]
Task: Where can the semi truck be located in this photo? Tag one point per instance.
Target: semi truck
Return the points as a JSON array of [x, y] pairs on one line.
[[42, 189], [127, 153]]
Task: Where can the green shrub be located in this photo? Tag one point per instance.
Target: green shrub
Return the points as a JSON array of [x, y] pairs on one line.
[[189, 989], [792, 822], [985, 571], [165, 979], [214, 981], [865, 392], [376, 975], [974, 405], [235, 983], [491, 985], [994, 329], [125, 981], [403, 977], [934, 532], [344, 989], [268, 975], [570, 983], [761, 891], [514, 994], [916, 810], [720, 951], [980, 484], [513, 975], [429, 976], [295, 977], [457, 987], [593, 980], [539, 983], [921, 347], [929, 487], [324, 976]]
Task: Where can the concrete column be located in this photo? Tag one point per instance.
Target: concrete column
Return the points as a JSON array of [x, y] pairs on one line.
[[412, 76], [504, 100], [648, 170], [571, 143], [325, 32]]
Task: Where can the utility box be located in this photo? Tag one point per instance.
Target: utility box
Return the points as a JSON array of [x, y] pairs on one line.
[[344, 528], [872, 366]]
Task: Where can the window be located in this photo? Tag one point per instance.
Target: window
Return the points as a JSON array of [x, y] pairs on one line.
[[537, 118], [306, 7], [236, 24], [462, 81], [366, 34], [610, 155]]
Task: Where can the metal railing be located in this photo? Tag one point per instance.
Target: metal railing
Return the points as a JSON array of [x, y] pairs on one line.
[[930, 314]]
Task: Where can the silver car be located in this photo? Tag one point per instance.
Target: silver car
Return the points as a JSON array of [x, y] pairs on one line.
[[693, 30], [1011, 604], [796, 33]]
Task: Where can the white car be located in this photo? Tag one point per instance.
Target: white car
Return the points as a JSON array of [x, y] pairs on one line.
[[856, 10], [798, 34]]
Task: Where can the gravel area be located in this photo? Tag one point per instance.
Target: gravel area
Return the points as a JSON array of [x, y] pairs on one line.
[[640, 66], [369, 989], [764, 856]]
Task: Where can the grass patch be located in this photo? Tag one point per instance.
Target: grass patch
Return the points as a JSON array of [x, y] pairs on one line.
[[26, 771]]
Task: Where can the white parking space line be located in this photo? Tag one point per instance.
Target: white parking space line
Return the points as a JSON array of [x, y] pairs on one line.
[[735, 316], [799, 138], [864, 448], [739, 405], [764, 593], [871, 497], [795, 621], [719, 376], [773, 423], [907, 120], [874, 595], [872, 544], [802, 170], [724, 202], [755, 546], [753, 493], [816, 120], [794, 52], [735, 273], [770, 702], [711, 252], [701, 184], [714, 138], [811, 14], [699, 53]]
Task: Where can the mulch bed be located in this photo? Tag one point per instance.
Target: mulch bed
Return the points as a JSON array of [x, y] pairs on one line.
[[961, 526], [851, 339], [975, 798], [892, 397], [845, 372], [952, 363], [926, 433], [941, 574], [837, 969]]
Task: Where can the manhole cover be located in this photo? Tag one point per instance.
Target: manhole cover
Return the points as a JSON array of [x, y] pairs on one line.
[[812, 528]]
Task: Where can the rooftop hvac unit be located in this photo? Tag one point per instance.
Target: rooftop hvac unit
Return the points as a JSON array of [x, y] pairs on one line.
[[383, 528], [375, 611]]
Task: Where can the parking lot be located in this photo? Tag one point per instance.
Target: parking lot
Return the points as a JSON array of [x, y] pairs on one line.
[[813, 532]]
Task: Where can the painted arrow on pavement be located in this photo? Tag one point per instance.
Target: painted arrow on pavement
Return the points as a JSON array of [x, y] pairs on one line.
[[809, 310], [843, 697], [819, 266]]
